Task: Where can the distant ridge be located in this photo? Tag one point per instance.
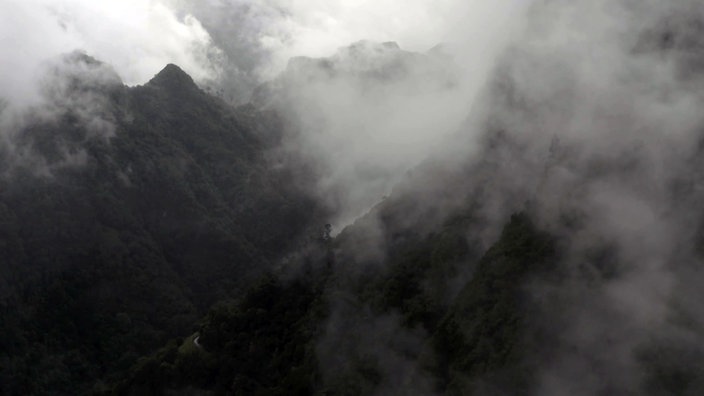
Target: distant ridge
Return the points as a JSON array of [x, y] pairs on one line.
[[173, 77]]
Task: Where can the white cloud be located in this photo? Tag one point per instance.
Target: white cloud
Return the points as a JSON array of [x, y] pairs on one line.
[[257, 38], [136, 37], [318, 27]]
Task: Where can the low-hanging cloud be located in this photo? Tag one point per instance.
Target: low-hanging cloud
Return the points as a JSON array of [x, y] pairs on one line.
[[366, 113], [596, 105], [138, 38], [259, 37], [232, 46], [592, 124], [48, 46]]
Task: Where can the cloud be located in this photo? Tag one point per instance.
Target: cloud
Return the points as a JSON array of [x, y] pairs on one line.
[[318, 28], [138, 38], [258, 37], [597, 103], [232, 46], [592, 124], [374, 353], [361, 133], [595, 106]]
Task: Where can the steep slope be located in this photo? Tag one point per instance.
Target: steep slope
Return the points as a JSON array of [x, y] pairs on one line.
[[366, 65], [347, 114], [124, 214], [563, 256], [559, 252], [273, 340]]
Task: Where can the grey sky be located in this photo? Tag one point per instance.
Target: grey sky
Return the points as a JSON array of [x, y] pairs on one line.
[[138, 37]]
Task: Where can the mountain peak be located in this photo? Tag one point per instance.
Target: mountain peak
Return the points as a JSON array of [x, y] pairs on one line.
[[172, 77], [83, 70]]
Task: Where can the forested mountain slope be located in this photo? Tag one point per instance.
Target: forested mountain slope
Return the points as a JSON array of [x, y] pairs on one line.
[[156, 241], [554, 249], [124, 214]]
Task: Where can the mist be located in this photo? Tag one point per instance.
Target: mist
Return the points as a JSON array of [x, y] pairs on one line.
[[368, 112], [587, 117], [360, 141], [584, 114], [595, 108], [137, 38]]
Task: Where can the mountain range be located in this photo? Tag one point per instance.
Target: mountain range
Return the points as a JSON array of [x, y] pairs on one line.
[[157, 240]]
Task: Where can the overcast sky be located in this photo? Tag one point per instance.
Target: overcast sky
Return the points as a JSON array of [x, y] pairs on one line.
[[139, 37]]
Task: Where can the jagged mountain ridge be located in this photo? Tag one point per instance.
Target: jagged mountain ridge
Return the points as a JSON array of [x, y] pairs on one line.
[[125, 214], [553, 261], [369, 65], [442, 287]]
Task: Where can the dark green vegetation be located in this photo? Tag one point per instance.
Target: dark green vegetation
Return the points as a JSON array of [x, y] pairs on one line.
[[148, 246], [265, 343], [262, 344], [480, 331], [123, 245], [120, 225], [487, 329]]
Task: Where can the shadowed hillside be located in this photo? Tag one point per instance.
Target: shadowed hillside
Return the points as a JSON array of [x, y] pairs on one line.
[[123, 221]]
